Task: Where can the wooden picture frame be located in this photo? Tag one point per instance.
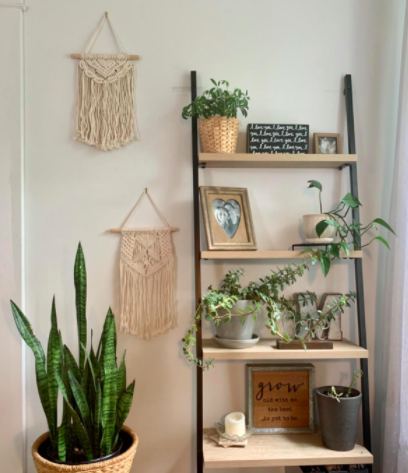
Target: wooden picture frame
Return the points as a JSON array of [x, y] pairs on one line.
[[280, 398], [227, 218], [331, 139]]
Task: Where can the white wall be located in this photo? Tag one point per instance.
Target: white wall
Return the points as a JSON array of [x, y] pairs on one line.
[[292, 57], [11, 431]]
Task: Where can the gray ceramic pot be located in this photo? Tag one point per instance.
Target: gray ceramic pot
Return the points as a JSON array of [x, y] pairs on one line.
[[234, 330], [338, 420]]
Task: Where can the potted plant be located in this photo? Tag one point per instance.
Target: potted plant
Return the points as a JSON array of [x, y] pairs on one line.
[[218, 109], [324, 227], [96, 401], [218, 305], [339, 409]]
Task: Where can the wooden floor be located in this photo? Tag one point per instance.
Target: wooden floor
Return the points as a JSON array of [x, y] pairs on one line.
[[278, 450]]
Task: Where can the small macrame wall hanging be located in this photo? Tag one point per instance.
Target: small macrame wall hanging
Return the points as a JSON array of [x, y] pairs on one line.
[[106, 96], [147, 277]]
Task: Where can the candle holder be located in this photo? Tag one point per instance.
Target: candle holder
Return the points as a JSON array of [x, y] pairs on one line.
[[226, 440]]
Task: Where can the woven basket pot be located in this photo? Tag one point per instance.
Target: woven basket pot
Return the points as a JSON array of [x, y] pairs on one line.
[[219, 134], [120, 464]]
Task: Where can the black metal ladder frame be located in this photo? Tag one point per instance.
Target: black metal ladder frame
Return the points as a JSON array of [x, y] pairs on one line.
[[358, 266]]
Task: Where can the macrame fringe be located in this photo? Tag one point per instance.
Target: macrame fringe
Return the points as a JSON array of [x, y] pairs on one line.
[[106, 111], [150, 299]]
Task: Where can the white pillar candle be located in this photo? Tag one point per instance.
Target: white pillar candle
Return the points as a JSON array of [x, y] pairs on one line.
[[235, 424]]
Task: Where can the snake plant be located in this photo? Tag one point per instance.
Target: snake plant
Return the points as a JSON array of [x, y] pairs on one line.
[[96, 401]]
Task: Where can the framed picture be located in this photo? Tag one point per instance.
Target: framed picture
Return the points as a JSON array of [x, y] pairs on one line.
[[227, 218], [274, 139], [280, 398], [327, 143]]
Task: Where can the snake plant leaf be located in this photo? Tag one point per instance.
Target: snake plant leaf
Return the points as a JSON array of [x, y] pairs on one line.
[[80, 399], [27, 333], [90, 364], [53, 367], [109, 321], [123, 409], [109, 394], [97, 420], [71, 363], [78, 428], [64, 434], [121, 382], [80, 299]]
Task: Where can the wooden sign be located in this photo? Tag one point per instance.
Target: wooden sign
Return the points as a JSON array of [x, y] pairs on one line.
[[280, 398], [273, 139]]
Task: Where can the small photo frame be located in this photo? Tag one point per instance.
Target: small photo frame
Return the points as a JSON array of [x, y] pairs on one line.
[[327, 143], [227, 218], [280, 398]]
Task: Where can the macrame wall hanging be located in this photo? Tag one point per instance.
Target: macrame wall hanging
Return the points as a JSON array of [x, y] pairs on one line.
[[147, 277], [106, 96]]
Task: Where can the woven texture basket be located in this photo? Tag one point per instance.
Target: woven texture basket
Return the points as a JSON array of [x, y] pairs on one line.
[[219, 134], [120, 464]]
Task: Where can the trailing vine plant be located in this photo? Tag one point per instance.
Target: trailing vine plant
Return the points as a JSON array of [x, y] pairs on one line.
[[266, 292]]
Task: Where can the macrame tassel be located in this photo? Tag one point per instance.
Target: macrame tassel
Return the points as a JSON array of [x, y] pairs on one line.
[[148, 303], [106, 108]]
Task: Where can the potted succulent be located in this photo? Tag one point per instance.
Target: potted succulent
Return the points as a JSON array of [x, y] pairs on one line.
[[96, 401], [219, 305], [218, 109], [339, 409]]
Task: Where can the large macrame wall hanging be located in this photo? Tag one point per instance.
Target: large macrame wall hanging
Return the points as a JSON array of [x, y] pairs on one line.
[[147, 278], [106, 96]]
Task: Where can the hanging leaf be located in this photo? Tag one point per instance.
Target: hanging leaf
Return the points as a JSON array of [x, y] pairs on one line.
[[382, 240], [334, 250], [80, 299], [321, 227], [384, 224], [325, 265], [351, 201], [315, 184]]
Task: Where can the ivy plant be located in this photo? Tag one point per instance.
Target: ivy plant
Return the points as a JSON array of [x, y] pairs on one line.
[[347, 232], [218, 101]]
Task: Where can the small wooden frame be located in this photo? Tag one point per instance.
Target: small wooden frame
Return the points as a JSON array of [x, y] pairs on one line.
[[332, 138], [280, 398], [312, 345], [227, 218]]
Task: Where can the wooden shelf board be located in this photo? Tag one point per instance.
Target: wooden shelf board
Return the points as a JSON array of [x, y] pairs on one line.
[[279, 450], [246, 160], [266, 350], [263, 254]]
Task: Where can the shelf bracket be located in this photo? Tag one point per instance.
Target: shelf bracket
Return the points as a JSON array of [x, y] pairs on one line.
[[203, 165], [346, 165]]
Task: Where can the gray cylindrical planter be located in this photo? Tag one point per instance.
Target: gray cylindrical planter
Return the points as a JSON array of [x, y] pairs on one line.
[[234, 330], [338, 420]]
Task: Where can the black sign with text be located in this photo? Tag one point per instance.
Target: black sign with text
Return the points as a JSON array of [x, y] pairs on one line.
[[273, 139]]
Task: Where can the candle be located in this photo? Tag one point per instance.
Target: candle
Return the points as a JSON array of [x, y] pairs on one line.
[[235, 424]]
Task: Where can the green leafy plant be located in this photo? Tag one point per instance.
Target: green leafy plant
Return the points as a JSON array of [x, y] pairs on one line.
[[348, 233], [335, 395], [266, 292], [218, 101], [96, 400]]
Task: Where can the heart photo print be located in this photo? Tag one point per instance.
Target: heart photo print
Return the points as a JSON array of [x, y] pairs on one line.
[[227, 218]]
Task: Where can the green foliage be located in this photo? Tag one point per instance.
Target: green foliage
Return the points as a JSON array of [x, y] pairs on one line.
[[96, 401], [348, 232], [265, 292], [218, 101]]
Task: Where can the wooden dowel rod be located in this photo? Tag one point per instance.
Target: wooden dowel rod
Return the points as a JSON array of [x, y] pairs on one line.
[[132, 57], [119, 230]]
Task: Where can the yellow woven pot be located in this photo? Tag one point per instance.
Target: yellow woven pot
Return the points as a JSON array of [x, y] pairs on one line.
[[120, 464], [219, 134]]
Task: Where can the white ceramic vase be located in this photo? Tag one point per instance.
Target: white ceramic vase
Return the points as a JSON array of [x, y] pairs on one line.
[[309, 227]]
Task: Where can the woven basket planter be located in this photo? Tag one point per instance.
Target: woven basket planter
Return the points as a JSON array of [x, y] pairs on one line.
[[120, 464], [219, 134]]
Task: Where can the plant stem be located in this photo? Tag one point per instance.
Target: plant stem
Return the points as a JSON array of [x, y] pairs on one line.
[[320, 200]]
